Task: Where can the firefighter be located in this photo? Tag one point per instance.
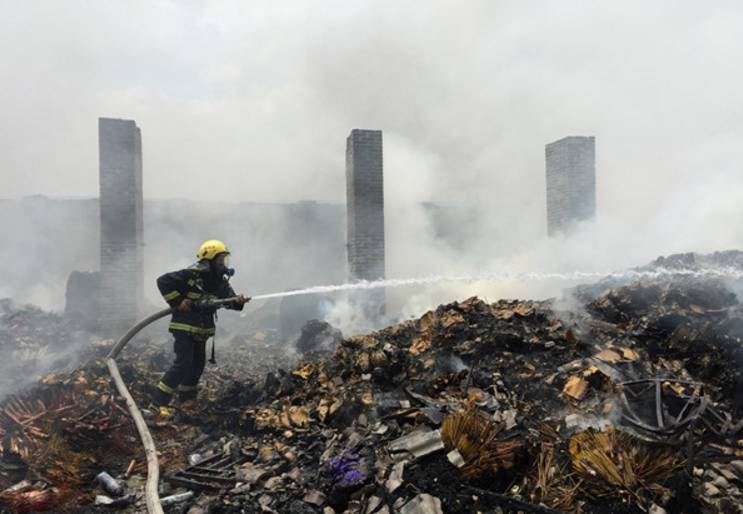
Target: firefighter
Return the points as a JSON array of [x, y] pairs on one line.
[[190, 325]]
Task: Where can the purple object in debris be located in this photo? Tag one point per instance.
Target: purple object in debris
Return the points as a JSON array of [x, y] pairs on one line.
[[346, 469]]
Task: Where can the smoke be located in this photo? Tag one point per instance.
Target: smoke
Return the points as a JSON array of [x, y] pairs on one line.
[[467, 97], [32, 342]]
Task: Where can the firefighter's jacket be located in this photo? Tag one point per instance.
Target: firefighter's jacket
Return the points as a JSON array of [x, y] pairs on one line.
[[195, 283]]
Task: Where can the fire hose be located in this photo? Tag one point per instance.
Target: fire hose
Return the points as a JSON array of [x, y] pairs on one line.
[[152, 497]]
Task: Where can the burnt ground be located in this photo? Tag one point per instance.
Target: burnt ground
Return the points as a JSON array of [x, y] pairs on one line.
[[548, 419]]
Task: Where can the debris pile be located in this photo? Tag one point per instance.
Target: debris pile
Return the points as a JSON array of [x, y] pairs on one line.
[[318, 338], [55, 437], [32, 341], [507, 405], [628, 404]]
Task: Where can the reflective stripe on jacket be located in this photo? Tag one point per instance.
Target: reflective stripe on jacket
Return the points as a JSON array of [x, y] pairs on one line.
[[194, 283]]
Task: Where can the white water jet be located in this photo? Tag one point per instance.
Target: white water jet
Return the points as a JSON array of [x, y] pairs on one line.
[[729, 272]]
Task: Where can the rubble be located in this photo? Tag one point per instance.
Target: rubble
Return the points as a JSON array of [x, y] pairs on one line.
[[416, 445], [109, 483], [33, 341], [422, 504], [628, 405], [176, 498], [318, 338]]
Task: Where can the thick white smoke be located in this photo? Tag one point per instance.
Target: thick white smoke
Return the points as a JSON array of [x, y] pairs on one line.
[[467, 96]]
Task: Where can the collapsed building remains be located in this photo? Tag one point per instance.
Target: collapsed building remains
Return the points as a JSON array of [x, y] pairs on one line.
[[571, 182], [122, 269], [365, 214], [629, 403]]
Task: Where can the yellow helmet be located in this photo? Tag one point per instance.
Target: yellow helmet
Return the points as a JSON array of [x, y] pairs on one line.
[[210, 249]]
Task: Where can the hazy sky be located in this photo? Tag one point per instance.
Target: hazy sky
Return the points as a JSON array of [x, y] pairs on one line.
[[253, 101]]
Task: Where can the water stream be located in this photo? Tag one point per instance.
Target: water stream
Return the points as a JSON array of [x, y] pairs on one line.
[[571, 276]]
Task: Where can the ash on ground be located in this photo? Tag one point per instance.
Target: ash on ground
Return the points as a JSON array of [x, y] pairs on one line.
[[629, 404]]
